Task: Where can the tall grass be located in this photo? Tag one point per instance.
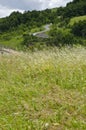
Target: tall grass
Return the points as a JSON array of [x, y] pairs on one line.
[[43, 90]]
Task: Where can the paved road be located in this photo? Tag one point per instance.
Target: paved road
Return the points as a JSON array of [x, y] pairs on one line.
[[42, 34]]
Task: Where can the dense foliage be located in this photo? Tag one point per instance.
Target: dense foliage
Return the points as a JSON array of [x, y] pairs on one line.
[[75, 8], [79, 29], [60, 37], [29, 19]]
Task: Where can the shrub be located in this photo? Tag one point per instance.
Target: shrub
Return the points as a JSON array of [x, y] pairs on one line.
[[61, 37], [28, 40], [79, 29]]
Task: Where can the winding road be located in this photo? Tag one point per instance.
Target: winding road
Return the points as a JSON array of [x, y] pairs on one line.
[[42, 34]]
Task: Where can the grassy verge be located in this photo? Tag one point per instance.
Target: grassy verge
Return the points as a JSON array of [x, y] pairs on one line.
[[43, 90], [77, 19], [36, 29]]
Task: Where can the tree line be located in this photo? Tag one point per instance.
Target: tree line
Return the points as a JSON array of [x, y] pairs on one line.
[[28, 19]]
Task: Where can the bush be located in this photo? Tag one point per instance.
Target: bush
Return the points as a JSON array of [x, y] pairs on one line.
[[61, 37], [28, 40], [79, 29]]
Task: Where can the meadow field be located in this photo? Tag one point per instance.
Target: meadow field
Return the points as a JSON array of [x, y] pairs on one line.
[[43, 90]]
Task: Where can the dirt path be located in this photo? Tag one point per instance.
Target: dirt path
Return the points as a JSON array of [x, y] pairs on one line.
[[8, 51]]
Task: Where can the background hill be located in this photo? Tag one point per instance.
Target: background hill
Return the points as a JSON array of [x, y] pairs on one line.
[[16, 29]]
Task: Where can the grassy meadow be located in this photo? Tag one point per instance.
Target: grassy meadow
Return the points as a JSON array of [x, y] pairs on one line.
[[43, 90]]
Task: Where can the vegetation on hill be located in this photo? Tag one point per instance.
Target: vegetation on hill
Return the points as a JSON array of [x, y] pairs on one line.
[[17, 29], [29, 19], [75, 8], [38, 18], [79, 29]]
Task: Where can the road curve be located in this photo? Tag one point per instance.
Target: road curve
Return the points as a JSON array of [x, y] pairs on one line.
[[42, 34]]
